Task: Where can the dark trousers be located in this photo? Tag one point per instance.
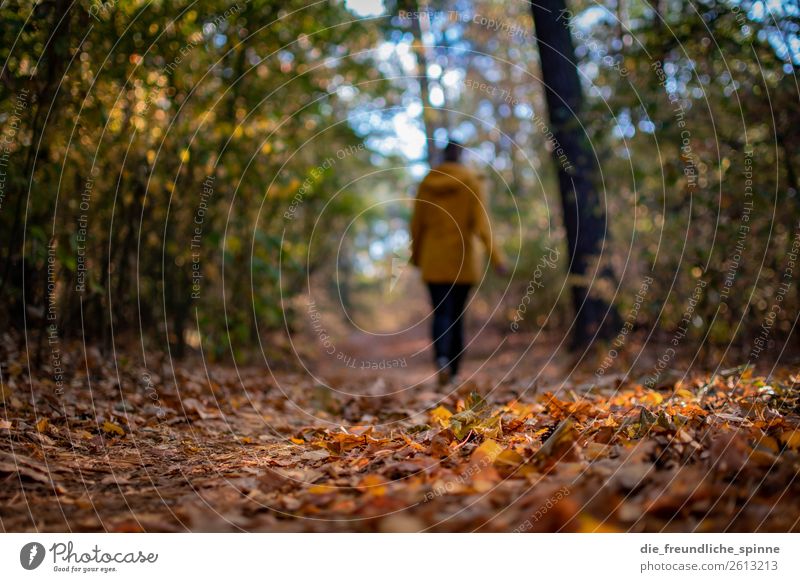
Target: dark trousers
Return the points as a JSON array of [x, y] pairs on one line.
[[448, 300]]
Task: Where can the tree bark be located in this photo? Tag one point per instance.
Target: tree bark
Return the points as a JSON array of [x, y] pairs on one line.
[[584, 215], [422, 76]]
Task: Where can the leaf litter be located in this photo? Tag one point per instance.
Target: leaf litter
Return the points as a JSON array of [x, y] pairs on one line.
[[244, 451]]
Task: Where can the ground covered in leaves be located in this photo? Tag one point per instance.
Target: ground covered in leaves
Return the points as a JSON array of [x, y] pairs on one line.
[[184, 446]]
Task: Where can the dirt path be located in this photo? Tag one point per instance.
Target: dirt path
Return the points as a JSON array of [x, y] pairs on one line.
[[385, 450]]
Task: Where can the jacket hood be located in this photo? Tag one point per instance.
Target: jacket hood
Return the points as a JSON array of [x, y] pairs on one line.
[[447, 179]]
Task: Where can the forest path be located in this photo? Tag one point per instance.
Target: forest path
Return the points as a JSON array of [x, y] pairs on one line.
[[246, 449]]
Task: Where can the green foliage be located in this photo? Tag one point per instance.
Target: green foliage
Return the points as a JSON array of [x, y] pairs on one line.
[[184, 166], [700, 162], [178, 135]]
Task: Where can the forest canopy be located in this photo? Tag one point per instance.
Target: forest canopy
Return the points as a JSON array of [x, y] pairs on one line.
[[175, 167]]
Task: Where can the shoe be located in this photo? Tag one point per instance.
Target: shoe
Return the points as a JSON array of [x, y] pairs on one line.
[[444, 376]]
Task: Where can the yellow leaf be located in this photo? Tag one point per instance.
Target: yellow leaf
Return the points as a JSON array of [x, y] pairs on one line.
[[441, 415], [489, 450], [42, 425], [297, 441], [509, 457], [510, 463], [481, 466], [491, 428], [520, 410], [110, 427], [184, 156]]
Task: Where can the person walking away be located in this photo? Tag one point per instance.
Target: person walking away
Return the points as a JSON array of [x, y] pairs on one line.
[[449, 213]]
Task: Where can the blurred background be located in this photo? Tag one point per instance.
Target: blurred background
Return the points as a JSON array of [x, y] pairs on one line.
[[199, 176]]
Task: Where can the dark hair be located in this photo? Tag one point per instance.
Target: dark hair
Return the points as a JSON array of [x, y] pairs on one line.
[[452, 152]]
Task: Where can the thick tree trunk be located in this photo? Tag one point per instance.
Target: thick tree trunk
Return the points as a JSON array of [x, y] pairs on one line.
[[584, 214]]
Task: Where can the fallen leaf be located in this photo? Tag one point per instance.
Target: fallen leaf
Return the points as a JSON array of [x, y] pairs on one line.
[[322, 489], [441, 416], [373, 485], [790, 439], [111, 428], [315, 455], [510, 463], [27, 467], [594, 451], [559, 446], [487, 452], [440, 444]]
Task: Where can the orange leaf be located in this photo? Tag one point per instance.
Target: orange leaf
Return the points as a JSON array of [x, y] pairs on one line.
[[373, 485], [588, 524], [413, 444], [321, 489], [791, 439]]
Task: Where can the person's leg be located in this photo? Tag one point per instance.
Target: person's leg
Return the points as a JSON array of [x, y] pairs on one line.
[[439, 329], [459, 295]]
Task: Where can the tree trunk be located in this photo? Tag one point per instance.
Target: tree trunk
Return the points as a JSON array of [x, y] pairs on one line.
[[584, 214], [422, 76]]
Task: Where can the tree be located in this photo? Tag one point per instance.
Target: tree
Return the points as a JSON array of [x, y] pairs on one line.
[[421, 54], [584, 215]]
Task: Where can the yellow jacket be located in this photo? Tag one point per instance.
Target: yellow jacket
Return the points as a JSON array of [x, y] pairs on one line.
[[450, 210]]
